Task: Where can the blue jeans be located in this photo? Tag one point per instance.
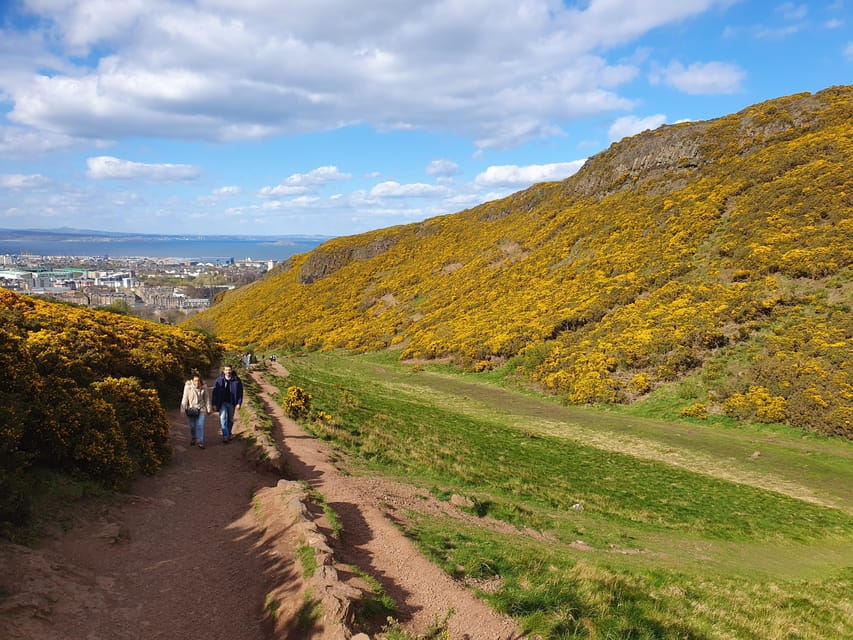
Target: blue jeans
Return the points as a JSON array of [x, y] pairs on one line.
[[196, 427], [226, 418]]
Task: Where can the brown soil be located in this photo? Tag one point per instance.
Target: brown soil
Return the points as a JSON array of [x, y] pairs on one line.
[[203, 548]]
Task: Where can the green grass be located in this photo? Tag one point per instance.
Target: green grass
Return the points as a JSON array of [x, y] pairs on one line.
[[437, 630], [265, 423], [560, 592], [681, 525], [271, 606], [308, 560], [335, 524], [374, 605]]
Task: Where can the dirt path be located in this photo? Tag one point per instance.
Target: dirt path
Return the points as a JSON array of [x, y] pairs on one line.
[[370, 541], [177, 558], [187, 555]]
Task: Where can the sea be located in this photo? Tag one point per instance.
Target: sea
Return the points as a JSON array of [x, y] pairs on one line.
[[255, 248]]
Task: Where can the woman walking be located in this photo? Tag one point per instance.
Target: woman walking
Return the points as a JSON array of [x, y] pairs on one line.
[[196, 404]]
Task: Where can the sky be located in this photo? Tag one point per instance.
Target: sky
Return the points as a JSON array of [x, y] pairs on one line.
[[333, 117]]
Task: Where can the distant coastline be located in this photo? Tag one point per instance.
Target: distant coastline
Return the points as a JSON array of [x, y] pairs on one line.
[[76, 242]]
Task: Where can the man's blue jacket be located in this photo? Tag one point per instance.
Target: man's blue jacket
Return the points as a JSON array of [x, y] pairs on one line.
[[234, 385]]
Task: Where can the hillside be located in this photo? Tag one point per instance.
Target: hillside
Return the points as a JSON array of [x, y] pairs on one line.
[[712, 256]]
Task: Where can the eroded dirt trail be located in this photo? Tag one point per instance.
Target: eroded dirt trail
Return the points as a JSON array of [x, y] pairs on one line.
[[178, 558], [422, 591]]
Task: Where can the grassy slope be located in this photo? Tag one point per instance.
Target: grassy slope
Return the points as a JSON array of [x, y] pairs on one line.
[[691, 536]]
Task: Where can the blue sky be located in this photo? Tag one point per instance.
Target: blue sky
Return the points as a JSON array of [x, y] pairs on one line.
[[328, 117]]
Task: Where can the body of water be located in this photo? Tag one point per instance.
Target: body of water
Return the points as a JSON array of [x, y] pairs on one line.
[[239, 249]]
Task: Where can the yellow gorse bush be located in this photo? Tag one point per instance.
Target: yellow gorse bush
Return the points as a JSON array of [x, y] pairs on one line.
[[297, 403], [84, 391]]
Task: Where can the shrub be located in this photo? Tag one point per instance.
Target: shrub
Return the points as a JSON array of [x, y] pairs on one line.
[[757, 403], [697, 410], [144, 424], [593, 387], [483, 365], [641, 383], [297, 403]]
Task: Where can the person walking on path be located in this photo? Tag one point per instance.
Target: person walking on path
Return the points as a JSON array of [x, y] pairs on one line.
[[227, 399], [195, 404]]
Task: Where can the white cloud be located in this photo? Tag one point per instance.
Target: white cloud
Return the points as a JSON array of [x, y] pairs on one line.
[[20, 181], [227, 191], [19, 142], [301, 183], [501, 72], [632, 125], [442, 167], [512, 176], [775, 33], [393, 189], [791, 11], [317, 177], [701, 78], [848, 50], [108, 167], [282, 190], [215, 197]]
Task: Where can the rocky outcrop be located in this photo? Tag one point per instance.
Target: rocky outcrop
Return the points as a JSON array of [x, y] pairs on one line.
[[332, 257], [287, 512], [685, 147]]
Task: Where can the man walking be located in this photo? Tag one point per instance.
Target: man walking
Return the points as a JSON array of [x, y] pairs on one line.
[[227, 399]]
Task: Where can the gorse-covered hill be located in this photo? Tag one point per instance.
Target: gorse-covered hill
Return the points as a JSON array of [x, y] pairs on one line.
[[715, 255]]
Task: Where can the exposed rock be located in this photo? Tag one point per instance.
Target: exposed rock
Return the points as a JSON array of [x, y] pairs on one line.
[[113, 532], [337, 598], [327, 259], [461, 501]]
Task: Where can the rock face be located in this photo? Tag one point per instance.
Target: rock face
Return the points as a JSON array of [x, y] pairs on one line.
[[689, 146], [326, 260]]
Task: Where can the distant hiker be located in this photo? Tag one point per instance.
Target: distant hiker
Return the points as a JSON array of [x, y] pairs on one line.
[[196, 404], [227, 398]]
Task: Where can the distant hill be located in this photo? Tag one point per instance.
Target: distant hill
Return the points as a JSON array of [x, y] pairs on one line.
[[713, 256]]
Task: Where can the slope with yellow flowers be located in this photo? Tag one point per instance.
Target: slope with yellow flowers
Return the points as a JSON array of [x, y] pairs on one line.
[[716, 251]]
